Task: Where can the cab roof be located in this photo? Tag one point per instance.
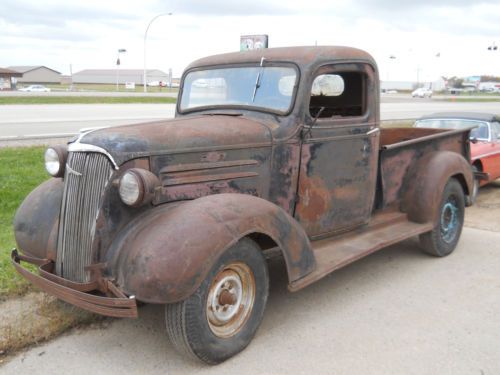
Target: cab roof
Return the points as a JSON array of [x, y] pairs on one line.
[[302, 56]]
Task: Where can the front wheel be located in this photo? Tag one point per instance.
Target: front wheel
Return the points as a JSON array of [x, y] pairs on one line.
[[443, 239], [220, 319]]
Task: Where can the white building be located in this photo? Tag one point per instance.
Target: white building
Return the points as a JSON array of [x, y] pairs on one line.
[[489, 86]]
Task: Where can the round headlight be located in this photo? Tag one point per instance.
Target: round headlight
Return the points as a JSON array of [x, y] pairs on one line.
[[55, 159], [137, 187], [131, 189]]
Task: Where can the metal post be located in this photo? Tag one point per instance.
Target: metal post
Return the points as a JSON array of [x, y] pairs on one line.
[[117, 70], [121, 50], [144, 77]]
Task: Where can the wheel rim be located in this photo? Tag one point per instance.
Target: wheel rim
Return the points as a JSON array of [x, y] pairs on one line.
[[230, 299], [449, 220]]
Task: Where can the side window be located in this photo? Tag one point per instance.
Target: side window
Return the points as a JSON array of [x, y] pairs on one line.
[[495, 131], [339, 94]]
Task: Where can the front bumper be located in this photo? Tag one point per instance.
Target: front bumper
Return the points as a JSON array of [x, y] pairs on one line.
[[78, 294]]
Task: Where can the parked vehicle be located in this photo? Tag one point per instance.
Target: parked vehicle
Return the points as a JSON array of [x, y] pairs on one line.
[[157, 83], [35, 88], [280, 151], [485, 147], [422, 92]]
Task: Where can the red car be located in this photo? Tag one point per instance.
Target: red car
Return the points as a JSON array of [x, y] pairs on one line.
[[485, 140]]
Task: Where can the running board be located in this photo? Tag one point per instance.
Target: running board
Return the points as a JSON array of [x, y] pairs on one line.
[[334, 253]]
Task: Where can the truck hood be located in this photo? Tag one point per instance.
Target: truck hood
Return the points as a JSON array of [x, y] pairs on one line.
[[189, 134]]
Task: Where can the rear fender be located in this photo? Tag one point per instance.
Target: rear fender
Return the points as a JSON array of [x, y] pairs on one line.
[[424, 183], [163, 256]]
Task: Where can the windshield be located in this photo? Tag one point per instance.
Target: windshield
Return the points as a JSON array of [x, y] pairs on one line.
[[269, 88], [481, 132]]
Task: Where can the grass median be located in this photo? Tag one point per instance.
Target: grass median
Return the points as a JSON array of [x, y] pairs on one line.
[[21, 170], [13, 100], [34, 317]]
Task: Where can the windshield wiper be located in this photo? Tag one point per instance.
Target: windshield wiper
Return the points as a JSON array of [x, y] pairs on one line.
[[257, 81], [235, 114]]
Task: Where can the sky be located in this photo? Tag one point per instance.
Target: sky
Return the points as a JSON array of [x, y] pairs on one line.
[[426, 38]]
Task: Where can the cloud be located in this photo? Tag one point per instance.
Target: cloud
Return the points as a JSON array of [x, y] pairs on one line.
[[62, 21], [88, 32], [226, 8], [407, 6], [24, 12]]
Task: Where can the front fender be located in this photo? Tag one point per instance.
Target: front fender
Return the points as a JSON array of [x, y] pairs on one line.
[[164, 255], [36, 221], [426, 180]]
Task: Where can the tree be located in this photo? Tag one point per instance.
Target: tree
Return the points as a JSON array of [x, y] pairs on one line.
[[490, 79], [454, 82]]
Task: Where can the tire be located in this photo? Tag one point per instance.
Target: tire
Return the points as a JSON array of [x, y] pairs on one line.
[[220, 319], [443, 239]]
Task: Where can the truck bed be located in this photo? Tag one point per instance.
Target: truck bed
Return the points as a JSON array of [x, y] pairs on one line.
[[396, 137], [400, 148]]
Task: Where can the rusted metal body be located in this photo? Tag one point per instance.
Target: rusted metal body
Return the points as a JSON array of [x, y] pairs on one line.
[[324, 190]]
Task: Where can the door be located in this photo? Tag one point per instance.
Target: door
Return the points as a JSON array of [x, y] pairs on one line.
[[495, 157], [339, 152]]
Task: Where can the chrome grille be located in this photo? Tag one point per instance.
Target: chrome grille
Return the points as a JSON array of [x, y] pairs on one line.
[[86, 177]]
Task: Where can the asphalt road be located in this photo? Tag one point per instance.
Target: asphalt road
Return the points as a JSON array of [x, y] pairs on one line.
[[397, 311], [42, 121], [17, 121]]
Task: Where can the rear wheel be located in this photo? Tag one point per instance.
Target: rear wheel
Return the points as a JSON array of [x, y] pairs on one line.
[[443, 239], [220, 319]]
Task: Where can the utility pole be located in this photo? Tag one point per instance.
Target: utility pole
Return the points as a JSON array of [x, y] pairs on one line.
[[145, 75]]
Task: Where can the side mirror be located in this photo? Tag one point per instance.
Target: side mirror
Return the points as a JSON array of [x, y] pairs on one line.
[[473, 140]]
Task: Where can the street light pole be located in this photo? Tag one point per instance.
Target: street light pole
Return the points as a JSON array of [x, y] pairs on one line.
[[121, 50], [391, 57], [144, 77]]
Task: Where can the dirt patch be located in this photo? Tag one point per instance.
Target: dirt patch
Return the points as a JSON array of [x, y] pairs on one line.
[[37, 317], [485, 214]]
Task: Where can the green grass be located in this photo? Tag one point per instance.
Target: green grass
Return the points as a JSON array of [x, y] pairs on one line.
[[106, 88], [21, 170], [84, 99]]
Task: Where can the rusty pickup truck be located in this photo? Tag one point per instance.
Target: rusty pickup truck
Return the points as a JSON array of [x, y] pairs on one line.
[[276, 150]]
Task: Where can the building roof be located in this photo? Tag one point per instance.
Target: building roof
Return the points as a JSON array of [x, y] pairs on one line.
[[463, 115], [9, 72], [123, 72], [29, 68]]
